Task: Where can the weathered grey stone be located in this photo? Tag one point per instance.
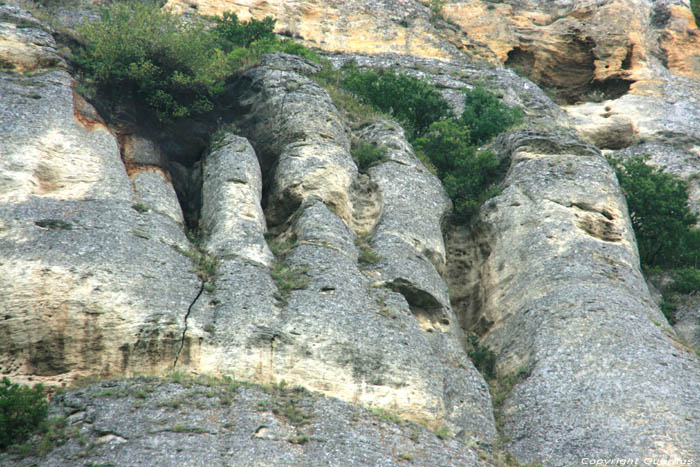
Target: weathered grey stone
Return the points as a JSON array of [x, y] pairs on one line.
[[154, 190], [634, 119], [213, 423], [561, 299], [45, 140], [300, 138], [407, 187], [89, 284], [232, 218], [337, 335], [26, 44]]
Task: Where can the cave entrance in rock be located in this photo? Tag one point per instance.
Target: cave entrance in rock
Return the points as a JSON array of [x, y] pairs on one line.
[[569, 76]]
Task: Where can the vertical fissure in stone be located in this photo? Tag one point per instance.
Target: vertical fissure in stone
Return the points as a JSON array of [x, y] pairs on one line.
[[184, 330]]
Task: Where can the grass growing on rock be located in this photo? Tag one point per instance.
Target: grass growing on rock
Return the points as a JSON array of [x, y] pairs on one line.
[[366, 255], [287, 278]]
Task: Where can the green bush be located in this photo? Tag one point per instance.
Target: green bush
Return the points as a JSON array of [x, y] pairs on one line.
[[446, 143], [412, 101], [177, 68], [138, 51], [661, 217], [22, 409], [231, 33], [469, 176], [695, 8], [483, 358], [365, 154], [685, 280], [486, 116]]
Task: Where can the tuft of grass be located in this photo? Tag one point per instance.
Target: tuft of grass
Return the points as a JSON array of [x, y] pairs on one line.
[[301, 439], [387, 415], [181, 428], [204, 263], [367, 154], [140, 208], [286, 278], [366, 256], [442, 432]]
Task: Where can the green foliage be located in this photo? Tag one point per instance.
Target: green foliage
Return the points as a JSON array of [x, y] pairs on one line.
[[365, 154], [293, 48], [138, 51], [412, 101], [668, 308], [446, 144], [231, 33], [22, 410], [469, 176], [695, 8], [387, 415], [436, 7], [483, 358], [661, 217], [685, 280], [486, 116]]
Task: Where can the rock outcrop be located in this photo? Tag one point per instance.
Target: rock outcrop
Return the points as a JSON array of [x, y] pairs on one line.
[[215, 422], [85, 256], [313, 272], [383, 336], [556, 291]]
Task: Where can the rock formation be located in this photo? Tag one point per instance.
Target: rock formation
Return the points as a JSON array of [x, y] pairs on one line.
[[101, 273]]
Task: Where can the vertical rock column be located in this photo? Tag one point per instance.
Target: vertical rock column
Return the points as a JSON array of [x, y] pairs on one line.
[[338, 330], [562, 299], [88, 283]]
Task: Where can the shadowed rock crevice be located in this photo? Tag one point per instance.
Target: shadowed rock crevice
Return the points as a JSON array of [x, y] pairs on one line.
[[186, 324], [570, 71]]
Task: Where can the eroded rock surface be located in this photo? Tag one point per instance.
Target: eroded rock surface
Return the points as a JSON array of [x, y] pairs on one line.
[[83, 263], [148, 421], [382, 335], [98, 275], [561, 300]]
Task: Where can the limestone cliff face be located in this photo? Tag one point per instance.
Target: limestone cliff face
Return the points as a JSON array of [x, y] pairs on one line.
[[386, 26], [98, 276]]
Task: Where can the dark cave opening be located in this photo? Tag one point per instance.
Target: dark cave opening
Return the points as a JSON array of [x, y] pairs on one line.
[[569, 78]]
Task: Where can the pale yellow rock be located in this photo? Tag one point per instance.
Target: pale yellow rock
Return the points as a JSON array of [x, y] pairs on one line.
[[338, 26], [681, 43]]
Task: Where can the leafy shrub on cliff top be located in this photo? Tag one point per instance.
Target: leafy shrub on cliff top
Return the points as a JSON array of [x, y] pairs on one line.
[[448, 143], [412, 101], [175, 67], [22, 409]]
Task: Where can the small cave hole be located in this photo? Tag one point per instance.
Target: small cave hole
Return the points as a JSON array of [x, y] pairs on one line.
[[520, 61], [612, 88]]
